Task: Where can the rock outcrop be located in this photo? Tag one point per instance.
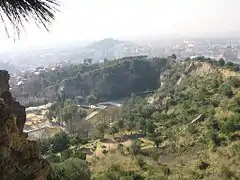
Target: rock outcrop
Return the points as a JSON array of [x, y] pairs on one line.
[[17, 109], [19, 158]]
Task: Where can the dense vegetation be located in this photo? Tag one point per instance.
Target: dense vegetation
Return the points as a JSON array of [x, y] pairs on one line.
[[189, 129], [105, 81]]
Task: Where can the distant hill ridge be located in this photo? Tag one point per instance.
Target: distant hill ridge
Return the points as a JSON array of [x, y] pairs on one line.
[[75, 52]]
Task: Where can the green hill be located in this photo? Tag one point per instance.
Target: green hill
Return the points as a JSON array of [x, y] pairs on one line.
[[194, 121], [105, 81], [188, 129]]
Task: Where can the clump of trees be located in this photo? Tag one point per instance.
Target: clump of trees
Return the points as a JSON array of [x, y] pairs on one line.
[[72, 169], [221, 63], [67, 112]]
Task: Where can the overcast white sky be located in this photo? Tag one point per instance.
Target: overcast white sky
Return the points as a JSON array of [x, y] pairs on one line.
[[97, 19]]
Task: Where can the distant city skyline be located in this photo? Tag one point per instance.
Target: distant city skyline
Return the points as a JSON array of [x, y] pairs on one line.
[[89, 20]]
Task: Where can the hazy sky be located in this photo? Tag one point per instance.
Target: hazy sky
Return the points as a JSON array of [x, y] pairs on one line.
[[97, 19]]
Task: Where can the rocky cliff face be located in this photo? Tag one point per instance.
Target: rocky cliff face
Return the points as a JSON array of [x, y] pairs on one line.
[[19, 158], [17, 109]]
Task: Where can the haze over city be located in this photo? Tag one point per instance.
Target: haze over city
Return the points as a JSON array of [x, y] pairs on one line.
[[94, 20]]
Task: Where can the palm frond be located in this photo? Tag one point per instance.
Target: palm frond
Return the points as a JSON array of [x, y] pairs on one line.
[[17, 11]]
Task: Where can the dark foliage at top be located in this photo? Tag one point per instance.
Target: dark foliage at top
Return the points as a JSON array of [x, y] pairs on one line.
[[18, 11]]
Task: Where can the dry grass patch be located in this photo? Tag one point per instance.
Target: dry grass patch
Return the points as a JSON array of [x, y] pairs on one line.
[[126, 163]]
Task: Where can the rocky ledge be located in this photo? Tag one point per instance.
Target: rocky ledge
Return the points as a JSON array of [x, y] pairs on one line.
[[19, 158]]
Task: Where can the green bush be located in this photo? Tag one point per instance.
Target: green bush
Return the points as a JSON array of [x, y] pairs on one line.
[[45, 145], [135, 147], [234, 81], [226, 90], [60, 142], [221, 62], [140, 161], [116, 173], [226, 173], [80, 155], [67, 153], [231, 124], [71, 169], [54, 158]]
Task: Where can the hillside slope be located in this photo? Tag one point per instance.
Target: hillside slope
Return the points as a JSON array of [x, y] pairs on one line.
[[196, 115], [110, 80], [188, 129]]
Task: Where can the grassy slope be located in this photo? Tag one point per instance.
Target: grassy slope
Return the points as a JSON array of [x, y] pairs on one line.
[[199, 93], [184, 144]]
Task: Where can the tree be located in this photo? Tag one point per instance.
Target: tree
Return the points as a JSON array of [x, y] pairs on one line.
[[130, 125], [174, 57], [71, 169], [143, 124], [97, 134], [221, 62], [88, 61], [120, 124], [91, 99], [156, 139], [150, 127], [80, 155], [71, 114], [67, 153], [44, 145], [60, 142], [113, 130], [135, 147], [19, 11], [232, 124], [102, 128]]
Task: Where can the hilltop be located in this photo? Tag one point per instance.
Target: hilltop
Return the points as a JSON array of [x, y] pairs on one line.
[[97, 82], [74, 52]]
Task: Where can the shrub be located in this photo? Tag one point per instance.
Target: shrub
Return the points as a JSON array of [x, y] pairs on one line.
[[53, 158], [192, 129], [80, 155], [226, 173], [135, 148], [221, 62], [115, 172], [234, 81], [215, 139], [226, 90], [140, 162], [67, 153], [154, 155], [71, 169], [60, 142], [45, 145], [231, 124]]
